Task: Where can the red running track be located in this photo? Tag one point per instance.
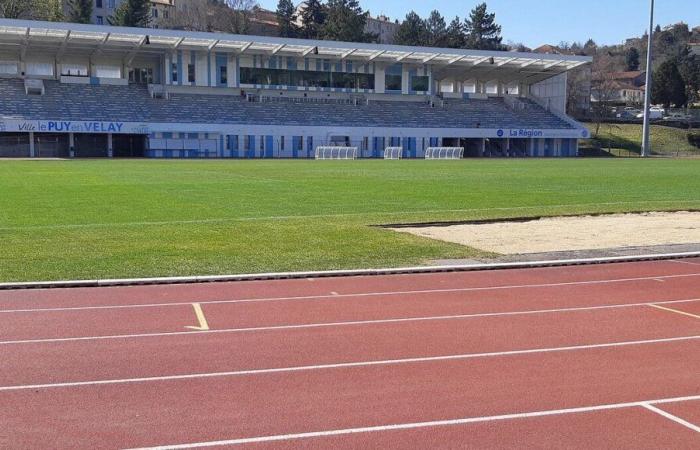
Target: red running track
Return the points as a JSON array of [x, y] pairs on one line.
[[601, 356]]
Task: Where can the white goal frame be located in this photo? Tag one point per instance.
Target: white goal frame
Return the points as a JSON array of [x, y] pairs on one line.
[[444, 153], [393, 153], [334, 152]]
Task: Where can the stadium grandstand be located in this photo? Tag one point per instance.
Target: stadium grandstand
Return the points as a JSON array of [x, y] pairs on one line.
[[73, 90]]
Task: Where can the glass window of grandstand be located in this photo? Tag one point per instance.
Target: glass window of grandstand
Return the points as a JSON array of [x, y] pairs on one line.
[[141, 75], [392, 82], [8, 68], [154, 13], [190, 73], [40, 69], [306, 78], [98, 3], [111, 4], [74, 70], [99, 20], [108, 72], [223, 75], [420, 83], [173, 72]]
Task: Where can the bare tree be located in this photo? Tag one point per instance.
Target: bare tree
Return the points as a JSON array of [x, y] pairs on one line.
[[229, 16], [578, 92], [603, 90], [191, 15], [237, 20]]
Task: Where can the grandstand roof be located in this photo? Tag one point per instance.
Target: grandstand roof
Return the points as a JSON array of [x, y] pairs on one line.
[[79, 38]]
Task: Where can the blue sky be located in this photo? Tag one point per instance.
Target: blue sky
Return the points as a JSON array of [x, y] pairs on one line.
[[536, 22]]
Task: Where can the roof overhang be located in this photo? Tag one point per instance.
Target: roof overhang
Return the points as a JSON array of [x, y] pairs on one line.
[[56, 37]]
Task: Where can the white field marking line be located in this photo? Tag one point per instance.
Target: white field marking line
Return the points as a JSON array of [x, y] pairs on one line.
[[359, 294], [345, 324], [670, 416], [385, 362], [201, 319], [330, 216], [435, 423], [680, 261], [656, 305]]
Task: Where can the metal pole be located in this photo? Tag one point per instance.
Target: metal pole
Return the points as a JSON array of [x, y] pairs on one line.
[[646, 146]]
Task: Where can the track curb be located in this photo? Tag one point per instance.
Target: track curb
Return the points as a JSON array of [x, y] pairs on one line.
[[339, 273]]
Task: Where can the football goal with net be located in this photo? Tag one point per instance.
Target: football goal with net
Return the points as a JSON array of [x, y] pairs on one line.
[[336, 152], [393, 153], [444, 152]]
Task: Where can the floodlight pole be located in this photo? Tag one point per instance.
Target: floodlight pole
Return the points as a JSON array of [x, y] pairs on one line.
[[646, 145]]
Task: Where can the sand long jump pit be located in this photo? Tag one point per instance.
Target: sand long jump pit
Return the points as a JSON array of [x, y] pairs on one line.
[[556, 234]]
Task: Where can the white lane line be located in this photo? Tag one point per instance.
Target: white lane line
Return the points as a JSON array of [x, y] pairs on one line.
[[670, 416], [384, 362], [414, 425], [356, 295], [680, 261], [349, 323]]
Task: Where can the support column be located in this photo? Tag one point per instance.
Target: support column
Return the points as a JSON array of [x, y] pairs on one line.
[[528, 147], [508, 146], [32, 151], [482, 147], [71, 145], [110, 148], [576, 147]]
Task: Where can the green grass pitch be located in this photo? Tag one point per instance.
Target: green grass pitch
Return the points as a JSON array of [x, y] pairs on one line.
[[89, 219]]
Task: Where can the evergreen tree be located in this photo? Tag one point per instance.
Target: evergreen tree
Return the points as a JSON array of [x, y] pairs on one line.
[[482, 31], [668, 85], [437, 29], [345, 21], [312, 19], [286, 18], [454, 36], [412, 31], [632, 59], [80, 11], [132, 13], [590, 47], [689, 68]]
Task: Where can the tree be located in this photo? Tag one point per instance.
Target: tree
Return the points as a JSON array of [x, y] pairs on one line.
[[604, 90], [49, 10], [689, 68], [235, 15], [632, 59], [590, 48], [80, 11], [132, 13], [668, 86], [412, 31], [482, 31], [312, 18], [436, 29], [454, 36], [286, 18], [345, 21]]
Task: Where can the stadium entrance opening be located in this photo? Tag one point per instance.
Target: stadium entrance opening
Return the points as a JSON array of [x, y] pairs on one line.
[[129, 145], [97, 145], [472, 147]]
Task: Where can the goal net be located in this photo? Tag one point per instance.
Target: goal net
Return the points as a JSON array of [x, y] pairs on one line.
[[444, 152], [336, 152], [393, 152]]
